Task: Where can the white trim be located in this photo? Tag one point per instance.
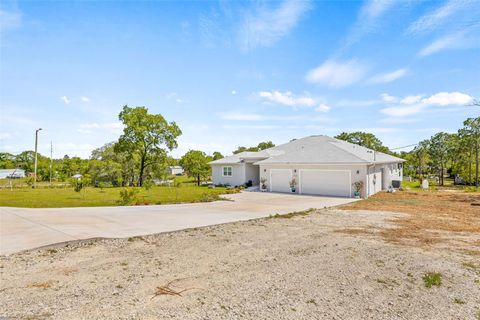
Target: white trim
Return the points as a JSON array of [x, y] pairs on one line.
[[223, 171], [300, 177], [270, 176]]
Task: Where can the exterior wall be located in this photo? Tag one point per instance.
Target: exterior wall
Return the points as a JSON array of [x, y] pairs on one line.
[[252, 173], [383, 175], [360, 176], [237, 178]]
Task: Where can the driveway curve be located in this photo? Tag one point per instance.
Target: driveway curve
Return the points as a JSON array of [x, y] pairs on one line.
[[25, 228]]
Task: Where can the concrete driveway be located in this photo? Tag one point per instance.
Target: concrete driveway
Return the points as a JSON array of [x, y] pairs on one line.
[[23, 228]]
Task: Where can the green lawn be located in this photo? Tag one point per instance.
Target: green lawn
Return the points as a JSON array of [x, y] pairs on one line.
[[91, 197]]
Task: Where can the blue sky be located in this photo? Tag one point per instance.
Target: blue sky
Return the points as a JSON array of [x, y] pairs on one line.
[[236, 73]]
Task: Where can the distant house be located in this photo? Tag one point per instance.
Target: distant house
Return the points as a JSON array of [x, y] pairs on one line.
[[12, 173], [316, 165], [77, 176], [175, 170]]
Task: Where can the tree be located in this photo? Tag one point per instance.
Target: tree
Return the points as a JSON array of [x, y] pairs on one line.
[[146, 136], [259, 147], [364, 139], [438, 149], [265, 145], [7, 160], [195, 164], [217, 155], [472, 130]]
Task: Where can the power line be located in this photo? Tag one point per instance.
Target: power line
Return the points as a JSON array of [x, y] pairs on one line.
[[410, 145]]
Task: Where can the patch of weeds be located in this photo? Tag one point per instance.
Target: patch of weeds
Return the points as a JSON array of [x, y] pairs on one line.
[[119, 286], [380, 263], [477, 281], [312, 301], [223, 307], [123, 264], [458, 301], [41, 285], [388, 282], [472, 266], [51, 251], [477, 315], [432, 279], [132, 239], [291, 214]]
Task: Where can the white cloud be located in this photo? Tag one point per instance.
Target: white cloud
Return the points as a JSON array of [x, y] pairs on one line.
[[237, 116], [264, 26], [323, 108], [448, 98], [4, 135], [234, 92], [466, 38], [402, 111], [111, 127], [387, 77], [394, 120], [388, 98], [367, 20], [337, 73], [174, 96], [411, 99], [251, 127], [65, 100], [10, 20], [414, 104], [432, 20], [90, 126], [287, 98], [85, 99]]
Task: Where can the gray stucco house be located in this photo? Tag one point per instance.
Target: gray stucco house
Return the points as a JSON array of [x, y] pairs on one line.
[[319, 165]]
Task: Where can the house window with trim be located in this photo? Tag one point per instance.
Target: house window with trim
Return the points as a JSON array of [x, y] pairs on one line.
[[227, 171]]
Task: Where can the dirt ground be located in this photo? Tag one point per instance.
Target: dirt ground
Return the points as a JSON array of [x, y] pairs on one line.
[[439, 218], [306, 266]]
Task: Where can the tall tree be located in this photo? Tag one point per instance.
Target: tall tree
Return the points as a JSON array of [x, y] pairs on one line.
[[365, 139], [438, 149], [195, 164], [261, 146], [217, 155], [472, 129], [146, 136]]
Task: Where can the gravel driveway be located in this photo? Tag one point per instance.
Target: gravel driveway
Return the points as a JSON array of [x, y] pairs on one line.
[[305, 267], [22, 228]]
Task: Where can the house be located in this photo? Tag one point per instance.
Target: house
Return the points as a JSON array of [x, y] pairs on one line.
[[318, 165], [12, 173], [175, 170]]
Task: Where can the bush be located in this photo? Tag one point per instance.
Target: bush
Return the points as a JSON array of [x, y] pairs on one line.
[[77, 185], [128, 196]]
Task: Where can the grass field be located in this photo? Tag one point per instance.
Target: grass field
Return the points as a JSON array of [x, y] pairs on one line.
[[91, 197]]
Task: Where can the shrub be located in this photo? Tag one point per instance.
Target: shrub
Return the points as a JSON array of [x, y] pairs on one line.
[[127, 196], [432, 279]]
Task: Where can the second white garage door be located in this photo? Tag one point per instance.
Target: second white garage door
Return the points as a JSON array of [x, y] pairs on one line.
[[325, 182]]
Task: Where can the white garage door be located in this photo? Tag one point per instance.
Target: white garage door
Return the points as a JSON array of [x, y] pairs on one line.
[[325, 182], [280, 180]]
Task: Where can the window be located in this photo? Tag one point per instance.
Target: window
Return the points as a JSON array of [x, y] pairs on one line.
[[227, 171]]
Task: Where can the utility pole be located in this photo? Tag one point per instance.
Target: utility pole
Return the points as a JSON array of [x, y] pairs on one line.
[[51, 160], [35, 169]]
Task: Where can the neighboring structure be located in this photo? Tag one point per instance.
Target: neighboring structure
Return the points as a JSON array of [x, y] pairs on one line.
[[12, 173], [317, 165], [175, 170]]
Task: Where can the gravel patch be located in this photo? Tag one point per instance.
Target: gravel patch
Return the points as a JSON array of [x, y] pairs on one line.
[[303, 267]]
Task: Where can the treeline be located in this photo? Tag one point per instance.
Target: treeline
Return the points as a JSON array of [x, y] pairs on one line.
[[444, 154], [140, 156]]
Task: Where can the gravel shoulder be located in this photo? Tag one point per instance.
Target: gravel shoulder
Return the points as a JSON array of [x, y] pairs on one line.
[[303, 267]]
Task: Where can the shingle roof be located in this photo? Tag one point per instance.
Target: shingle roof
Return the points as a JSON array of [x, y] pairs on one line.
[[313, 150]]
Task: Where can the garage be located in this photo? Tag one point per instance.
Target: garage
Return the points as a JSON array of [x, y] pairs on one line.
[[280, 180], [335, 183]]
